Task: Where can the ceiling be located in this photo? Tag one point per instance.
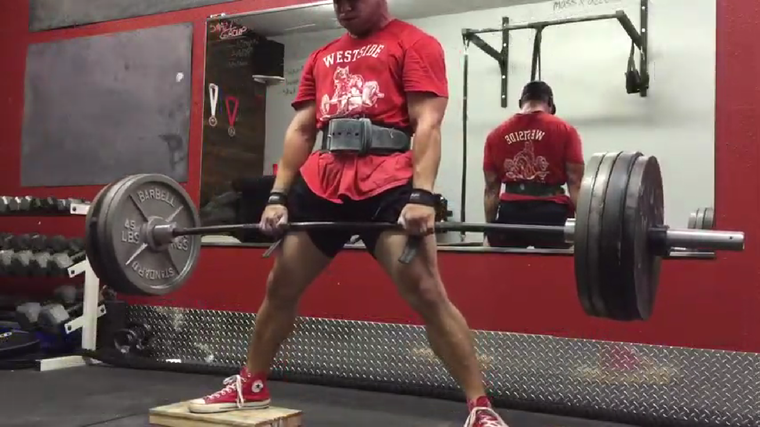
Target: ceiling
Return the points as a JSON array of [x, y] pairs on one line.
[[320, 16]]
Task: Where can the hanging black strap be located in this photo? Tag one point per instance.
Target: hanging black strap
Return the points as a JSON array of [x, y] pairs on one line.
[[535, 70], [631, 60]]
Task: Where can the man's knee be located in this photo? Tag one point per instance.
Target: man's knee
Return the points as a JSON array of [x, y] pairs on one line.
[[281, 291], [424, 294]]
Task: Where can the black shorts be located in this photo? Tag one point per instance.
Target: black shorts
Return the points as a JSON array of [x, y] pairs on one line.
[[305, 206], [533, 212]]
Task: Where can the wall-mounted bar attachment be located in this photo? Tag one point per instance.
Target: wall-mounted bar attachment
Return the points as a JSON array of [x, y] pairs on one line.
[[639, 38]]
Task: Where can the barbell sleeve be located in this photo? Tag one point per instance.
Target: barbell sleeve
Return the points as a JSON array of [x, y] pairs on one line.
[[705, 239]]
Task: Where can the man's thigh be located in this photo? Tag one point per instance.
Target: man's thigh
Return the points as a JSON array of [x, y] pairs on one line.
[[305, 206], [384, 207]]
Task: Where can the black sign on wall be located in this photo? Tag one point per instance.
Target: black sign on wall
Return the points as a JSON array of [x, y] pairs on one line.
[[50, 14], [99, 108], [234, 127]]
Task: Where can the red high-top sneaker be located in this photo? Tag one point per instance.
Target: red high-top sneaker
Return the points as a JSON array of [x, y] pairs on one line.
[[243, 391], [483, 415]]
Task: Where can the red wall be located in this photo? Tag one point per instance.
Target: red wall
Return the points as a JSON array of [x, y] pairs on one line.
[[701, 304]]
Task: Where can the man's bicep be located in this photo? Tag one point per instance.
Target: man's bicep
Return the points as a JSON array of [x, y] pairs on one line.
[[573, 147], [426, 109], [305, 118]]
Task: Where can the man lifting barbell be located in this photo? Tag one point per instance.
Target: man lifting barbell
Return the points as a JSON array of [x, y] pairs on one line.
[[366, 171]]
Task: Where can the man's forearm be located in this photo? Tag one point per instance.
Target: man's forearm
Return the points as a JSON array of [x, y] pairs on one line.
[[491, 202], [426, 155], [296, 149]]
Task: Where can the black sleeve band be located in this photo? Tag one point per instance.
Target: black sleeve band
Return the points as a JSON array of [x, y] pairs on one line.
[[423, 197], [277, 198]]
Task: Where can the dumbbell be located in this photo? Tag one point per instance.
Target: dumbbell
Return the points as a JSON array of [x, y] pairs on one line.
[[6, 259], [21, 262], [43, 205], [67, 294], [27, 315], [75, 246], [20, 242], [53, 316], [53, 264], [64, 205], [60, 263], [38, 242], [9, 204], [25, 203], [135, 338], [5, 240]]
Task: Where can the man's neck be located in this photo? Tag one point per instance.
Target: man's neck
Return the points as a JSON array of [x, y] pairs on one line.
[[533, 107], [384, 20]]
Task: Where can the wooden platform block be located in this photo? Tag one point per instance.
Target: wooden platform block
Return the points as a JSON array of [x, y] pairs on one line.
[[177, 415]]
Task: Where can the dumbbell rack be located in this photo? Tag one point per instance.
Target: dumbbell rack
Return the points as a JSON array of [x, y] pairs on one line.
[[91, 311]]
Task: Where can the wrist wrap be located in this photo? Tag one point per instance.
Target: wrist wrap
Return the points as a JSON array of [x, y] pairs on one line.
[[423, 197], [277, 198]]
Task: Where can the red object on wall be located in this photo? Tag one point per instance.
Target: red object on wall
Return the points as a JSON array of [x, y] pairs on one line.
[[701, 304], [274, 169]]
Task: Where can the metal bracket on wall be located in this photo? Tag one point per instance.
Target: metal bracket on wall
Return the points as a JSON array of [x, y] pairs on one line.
[[639, 38]]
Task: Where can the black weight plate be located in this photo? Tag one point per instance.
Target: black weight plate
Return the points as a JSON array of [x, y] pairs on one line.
[[701, 219], [580, 234], [596, 209], [619, 301], [91, 224], [709, 219], [644, 209], [134, 266]]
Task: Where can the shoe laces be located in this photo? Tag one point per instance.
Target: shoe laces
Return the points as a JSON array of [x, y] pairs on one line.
[[233, 383], [484, 417]]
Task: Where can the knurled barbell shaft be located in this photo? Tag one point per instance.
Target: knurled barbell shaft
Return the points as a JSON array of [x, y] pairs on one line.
[[698, 239]]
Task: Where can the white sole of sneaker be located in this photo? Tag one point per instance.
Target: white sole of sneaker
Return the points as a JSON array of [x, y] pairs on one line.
[[227, 407]]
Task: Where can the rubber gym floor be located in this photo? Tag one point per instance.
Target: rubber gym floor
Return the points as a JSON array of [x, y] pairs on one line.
[[101, 395]]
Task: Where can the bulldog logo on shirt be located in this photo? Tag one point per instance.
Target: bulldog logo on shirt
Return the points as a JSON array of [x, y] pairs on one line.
[[352, 94], [526, 166]]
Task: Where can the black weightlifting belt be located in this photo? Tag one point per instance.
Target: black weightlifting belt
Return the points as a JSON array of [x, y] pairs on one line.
[[363, 137], [533, 189]]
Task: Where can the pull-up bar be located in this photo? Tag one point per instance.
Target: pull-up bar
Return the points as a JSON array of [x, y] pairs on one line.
[[621, 16]]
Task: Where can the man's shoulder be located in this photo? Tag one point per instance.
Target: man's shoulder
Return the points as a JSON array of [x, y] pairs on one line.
[[410, 33], [557, 122]]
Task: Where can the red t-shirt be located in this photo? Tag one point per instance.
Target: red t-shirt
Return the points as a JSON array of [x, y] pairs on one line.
[[368, 77], [532, 147]]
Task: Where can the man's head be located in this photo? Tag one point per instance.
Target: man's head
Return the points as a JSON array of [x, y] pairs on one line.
[[361, 17], [538, 92]]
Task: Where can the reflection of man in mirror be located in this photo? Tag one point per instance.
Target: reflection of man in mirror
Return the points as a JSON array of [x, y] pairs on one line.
[[387, 78], [532, 155]]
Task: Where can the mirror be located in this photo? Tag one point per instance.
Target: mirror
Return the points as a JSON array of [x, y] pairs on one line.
[[586, 61]]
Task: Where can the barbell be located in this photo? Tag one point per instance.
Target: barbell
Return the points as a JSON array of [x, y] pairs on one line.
[[143, 233]]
